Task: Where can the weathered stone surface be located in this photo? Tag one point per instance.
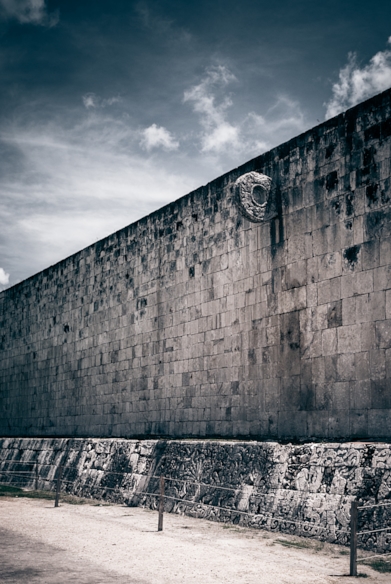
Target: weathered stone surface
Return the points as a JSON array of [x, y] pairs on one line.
[[301, 489], [197, 321], [254, 196]]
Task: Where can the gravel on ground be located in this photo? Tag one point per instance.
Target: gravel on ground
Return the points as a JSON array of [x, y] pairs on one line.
[[94, 544]]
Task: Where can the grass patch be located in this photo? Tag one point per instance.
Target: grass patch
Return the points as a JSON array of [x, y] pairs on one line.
[[379, 565], [73, 500], [300, 544], [233, 527], [7, 491], [16, 492]]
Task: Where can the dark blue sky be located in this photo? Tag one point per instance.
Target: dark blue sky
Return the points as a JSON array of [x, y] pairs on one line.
[[109, 110]]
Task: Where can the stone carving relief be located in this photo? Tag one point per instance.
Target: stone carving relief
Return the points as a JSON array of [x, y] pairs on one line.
[[298, 489], [254, 196]]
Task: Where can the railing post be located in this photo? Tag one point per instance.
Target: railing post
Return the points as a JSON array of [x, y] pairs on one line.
[[161, 504], [36, 475], [353, 538], [58, 485]]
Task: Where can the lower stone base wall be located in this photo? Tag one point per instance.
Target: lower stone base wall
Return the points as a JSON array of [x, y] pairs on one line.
[[298, 489]]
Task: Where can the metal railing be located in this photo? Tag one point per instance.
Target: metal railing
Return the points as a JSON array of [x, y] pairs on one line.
[[33, 475], [354, 533]]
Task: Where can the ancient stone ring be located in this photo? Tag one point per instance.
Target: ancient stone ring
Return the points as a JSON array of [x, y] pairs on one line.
[[253, 196]]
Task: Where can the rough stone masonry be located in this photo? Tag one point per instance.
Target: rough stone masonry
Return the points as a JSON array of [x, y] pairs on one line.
[[302, 489], [256, 306]]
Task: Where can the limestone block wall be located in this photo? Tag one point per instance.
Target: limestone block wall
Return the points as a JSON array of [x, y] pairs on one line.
[[299, 489], [204, 319]]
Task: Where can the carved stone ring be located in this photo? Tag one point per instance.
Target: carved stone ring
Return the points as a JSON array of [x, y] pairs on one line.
[[253, 196]]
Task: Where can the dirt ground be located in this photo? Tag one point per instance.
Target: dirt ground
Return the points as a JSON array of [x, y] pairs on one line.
[[93, 544]]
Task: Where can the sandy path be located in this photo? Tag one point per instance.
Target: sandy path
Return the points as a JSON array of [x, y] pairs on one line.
[[93, 544]]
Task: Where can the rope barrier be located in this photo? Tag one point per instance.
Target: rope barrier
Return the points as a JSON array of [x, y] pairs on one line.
[[374, 556], [103, 474], [373, 531], [290, 464], [254, 515], [117, 488], [376, 505], [31, 462]]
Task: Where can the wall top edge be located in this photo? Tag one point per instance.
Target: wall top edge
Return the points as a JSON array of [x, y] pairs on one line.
[[282, 151], [311, 444]]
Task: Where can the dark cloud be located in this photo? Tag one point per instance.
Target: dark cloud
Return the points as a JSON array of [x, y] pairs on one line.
[[28, 12], [123, 106]]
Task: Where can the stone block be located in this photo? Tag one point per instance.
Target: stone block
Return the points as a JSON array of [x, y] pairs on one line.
[[324, 292], [340, 396], [346, 370], [363, 308], [370, 257], [383, 334], [319, 317], [320, 240], [378, 422], [381, 394], [347, 285], [312, 295], [349, 311], [312, 270], [298, 248], [368, 336], [382, 277], [329, 266], [362, 369], [292, 300], [290, 393], [364, 282], [387, 304], [339, 424], [334, 314], [377, 303], [329, 341], [318, 424], [292, 426], [323, 396], [294, 275], [360, 395], [358, 423], [349, 339], [377, 364]]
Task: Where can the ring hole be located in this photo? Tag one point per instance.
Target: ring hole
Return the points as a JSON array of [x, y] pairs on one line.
[[260, 195]]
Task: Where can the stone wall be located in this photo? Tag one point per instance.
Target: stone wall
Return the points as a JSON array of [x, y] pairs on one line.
[[243, 309], [304, 490]]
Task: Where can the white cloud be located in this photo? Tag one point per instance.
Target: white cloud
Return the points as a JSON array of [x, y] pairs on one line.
[[217, 133], [223, 135], [161, 26], [158, 137], [74, 183], [91, 100], [283, 120], [111, 100], [250, 135], [77, 185], [357, 84], [28, 12], [4, 278]]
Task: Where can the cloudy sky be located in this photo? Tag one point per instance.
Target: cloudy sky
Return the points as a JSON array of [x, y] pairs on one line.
[[111, 109]]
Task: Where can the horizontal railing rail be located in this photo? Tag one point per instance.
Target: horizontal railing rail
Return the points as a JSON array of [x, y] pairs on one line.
[[34, 475]]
